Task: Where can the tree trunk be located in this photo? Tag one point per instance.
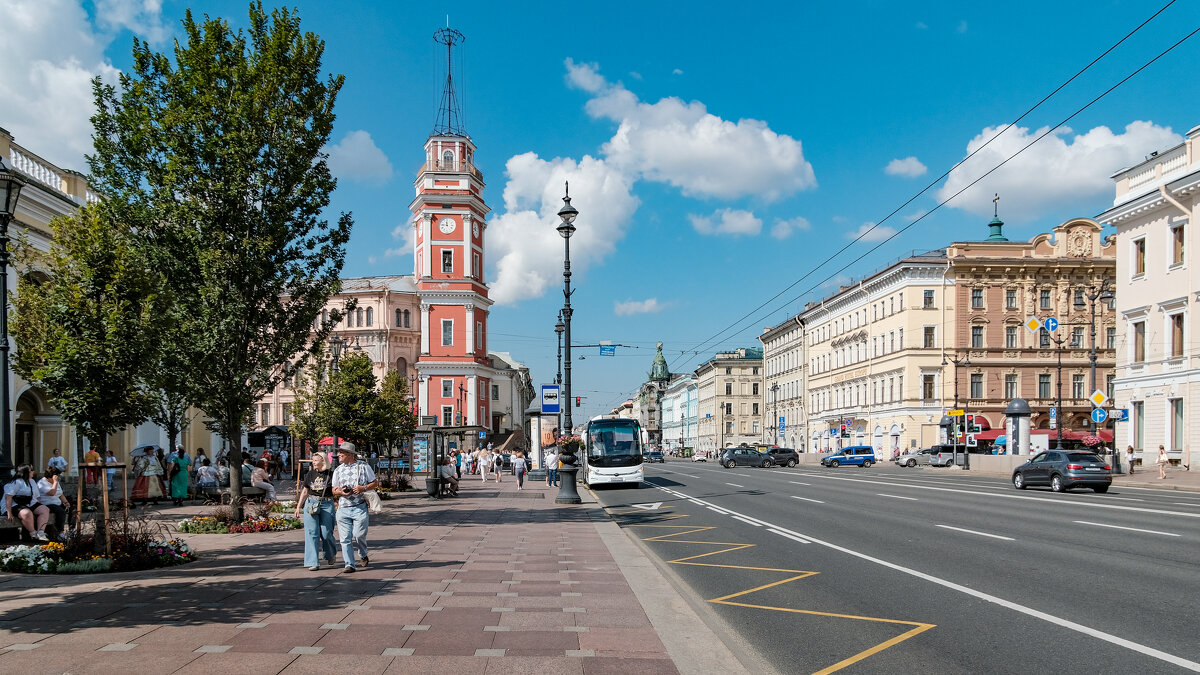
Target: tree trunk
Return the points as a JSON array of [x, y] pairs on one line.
[[235, 478]]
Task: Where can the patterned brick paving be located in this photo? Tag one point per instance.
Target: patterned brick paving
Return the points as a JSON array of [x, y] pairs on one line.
[[485, 583]]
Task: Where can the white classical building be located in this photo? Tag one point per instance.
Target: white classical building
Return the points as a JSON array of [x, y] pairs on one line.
[[729, 400], [784, 364], [679, 413], [1158, 365]]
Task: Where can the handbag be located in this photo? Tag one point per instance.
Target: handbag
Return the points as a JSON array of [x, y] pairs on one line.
[[374, 502]]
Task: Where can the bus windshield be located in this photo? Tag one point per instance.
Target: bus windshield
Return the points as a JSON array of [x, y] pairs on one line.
[[612, 445]]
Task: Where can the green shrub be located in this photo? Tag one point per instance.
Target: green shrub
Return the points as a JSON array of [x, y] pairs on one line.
[[85, 566]]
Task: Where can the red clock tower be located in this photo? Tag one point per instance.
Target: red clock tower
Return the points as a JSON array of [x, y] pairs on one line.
[[453, 369]]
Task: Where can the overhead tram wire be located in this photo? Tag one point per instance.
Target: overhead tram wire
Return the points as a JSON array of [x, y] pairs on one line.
[[993, 169], [935, 181]]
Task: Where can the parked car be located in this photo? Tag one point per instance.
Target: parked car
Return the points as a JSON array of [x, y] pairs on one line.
[[655, 456], [1063, 470], [700, 456], [745, 457], [911, 459], [783, 456], [855, 455]]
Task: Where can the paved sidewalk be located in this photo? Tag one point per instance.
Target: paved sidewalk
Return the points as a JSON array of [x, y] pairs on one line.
[[1178, 478], [492, 581]]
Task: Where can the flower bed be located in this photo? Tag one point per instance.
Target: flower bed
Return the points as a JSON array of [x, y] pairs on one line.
[[75, 557], [210, 525], [283, 507]]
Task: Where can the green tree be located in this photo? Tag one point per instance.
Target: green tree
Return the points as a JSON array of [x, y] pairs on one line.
[[216, 154], [351, 407], [393, 393], [86, 321]]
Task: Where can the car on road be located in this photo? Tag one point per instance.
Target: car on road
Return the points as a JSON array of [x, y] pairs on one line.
[[911, 459], [1063, 470], [943, 455], [783, 456], [655, 456], [700, 456], [855, 455], [741, 456]]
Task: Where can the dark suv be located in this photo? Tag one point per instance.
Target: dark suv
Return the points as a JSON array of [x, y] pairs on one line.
[[1063, 470], [732, 457], [655, 456], [783, 456]]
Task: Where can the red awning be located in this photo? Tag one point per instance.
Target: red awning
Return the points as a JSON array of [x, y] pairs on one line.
[[328, 440], [989, 434]]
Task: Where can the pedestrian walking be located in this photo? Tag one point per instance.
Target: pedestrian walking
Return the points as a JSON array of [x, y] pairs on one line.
[[316, 500], [57, 461], [351, 478], [519, 468], [552, 468], [458, 465], [485, 464], [178, 473], [497, 465], [1162, 462], [1129, 458]]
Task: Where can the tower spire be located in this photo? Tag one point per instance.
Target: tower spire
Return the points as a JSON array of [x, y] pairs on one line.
[[996, 227], [449, 118]]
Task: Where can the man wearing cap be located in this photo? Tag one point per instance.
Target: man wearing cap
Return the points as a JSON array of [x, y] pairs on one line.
[[351, 478]]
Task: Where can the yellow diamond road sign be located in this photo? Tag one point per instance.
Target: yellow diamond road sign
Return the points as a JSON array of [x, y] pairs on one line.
[[1033, 324], [1099, 398]]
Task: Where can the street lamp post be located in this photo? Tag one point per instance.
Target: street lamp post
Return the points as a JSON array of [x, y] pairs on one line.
[[958, 419], [10, 192], [558, 331], [775, 411], [1058, 412], [567, 492], [1094, 293]]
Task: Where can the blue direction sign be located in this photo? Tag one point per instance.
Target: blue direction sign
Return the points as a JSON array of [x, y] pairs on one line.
[[1051, 324], [782, 424], [1120, 415], [1099, 415], [608, 350]]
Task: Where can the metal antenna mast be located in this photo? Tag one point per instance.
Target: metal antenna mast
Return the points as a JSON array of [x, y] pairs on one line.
[[449, 118]]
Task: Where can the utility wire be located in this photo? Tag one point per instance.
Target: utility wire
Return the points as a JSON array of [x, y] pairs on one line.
[[935, 181]]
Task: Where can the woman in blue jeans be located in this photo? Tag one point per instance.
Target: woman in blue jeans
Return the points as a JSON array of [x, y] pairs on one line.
[[316, 500]]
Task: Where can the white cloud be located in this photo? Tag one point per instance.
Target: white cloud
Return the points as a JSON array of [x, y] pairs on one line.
[[631, 307], [879, 233], [782, 229], [142, 17], [635, 74], [909, 167], [357, 157], [677, 72], [403, 234], [837, 281], [51, 53], [1063, 167], [527, 249], [684, 145], [727, 221]]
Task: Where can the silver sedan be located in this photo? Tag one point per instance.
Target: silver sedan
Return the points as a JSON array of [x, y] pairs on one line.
[[911, 459]]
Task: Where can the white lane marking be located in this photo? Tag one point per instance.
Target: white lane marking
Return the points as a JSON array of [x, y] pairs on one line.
[[911, 499], [734, 484], [696, 501], [747, 520], [720, 511], [817, 501], [743, 475], [789, 536], [796, 482], [1132, 529], [1007, 604], [1186, 503], [1125, 499], [1045, 500], [982, 534]]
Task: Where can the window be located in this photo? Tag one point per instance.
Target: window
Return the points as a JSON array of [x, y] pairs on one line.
[[930, 340], [399, 318], [900, 334], [1043, 386], [1139, 257], [479, 346], [1139, 424], [976, 298], [1110, 338], [754, 371], [1010, 387], [728, 408], [1010, 298], [976, 385], [1010, 337], [476, 266], [287, 413], [729, 389], [358, 316], [447, 332], [927, 300], [729, 428], [1043, 338], [754, 389], [754, 409], [1077, 336], [1077, 386], [447, 416], [447, 388], [1079, 302], [370, 316], [1139, 341], [448, 261], [495, 392], [928, 387], [1177, 248], [1176, 424], [1044, 299], [264, 415], [977, 337], [1176, 321], [891, 391], [1110, 385], [729, 371]]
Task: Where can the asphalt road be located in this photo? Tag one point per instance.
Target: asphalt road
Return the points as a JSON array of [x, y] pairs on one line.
[[890, 570]]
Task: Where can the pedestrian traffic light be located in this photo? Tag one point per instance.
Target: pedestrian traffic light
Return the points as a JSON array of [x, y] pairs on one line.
[[577, 401]]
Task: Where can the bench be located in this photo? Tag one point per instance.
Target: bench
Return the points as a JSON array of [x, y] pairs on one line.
[[248, 492]]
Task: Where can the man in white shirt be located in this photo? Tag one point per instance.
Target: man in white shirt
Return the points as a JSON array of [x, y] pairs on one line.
[[552, 467], [351, 478], [57, 461]]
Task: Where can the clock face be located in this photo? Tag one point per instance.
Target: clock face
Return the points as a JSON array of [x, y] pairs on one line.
[[475, 230], [446, 225]]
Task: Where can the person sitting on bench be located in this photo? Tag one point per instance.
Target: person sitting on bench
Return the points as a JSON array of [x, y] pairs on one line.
[[446, 472]]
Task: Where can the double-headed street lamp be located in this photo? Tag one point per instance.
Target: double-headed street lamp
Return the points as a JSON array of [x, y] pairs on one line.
[[558, 331], [10, 192], [567, 493], [959, 419], [1092, 294]]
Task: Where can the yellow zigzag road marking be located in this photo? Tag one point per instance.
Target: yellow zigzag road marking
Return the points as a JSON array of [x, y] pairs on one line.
[[670, 538]]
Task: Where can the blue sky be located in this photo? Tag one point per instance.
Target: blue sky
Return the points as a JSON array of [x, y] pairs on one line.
[[715, 157]]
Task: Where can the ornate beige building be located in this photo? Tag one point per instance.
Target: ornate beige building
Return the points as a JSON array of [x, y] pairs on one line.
[[729, 392], [784, 362]]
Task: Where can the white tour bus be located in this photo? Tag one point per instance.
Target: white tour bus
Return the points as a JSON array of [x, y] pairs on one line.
[[612, 451]]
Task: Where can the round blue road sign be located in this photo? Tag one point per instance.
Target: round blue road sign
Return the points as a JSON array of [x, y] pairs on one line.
[[1099, 415], [1052, 324]]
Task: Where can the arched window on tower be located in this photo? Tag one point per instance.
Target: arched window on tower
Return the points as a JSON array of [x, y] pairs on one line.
[[358, 317], [370, 316], [402, 366], [406, 317], [399, 318], [447, 160]]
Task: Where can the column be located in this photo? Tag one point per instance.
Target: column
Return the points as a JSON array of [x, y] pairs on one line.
[[423, 395], [424, 328], [472, 402], [426, 238], [470, 315]]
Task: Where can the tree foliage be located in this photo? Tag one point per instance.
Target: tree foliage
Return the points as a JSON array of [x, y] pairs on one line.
[[351, 407], [393, 392], [215, 153], [87, 320]]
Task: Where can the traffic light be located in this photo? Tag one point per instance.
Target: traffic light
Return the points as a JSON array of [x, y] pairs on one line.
[[577, 401], [972, 425]]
